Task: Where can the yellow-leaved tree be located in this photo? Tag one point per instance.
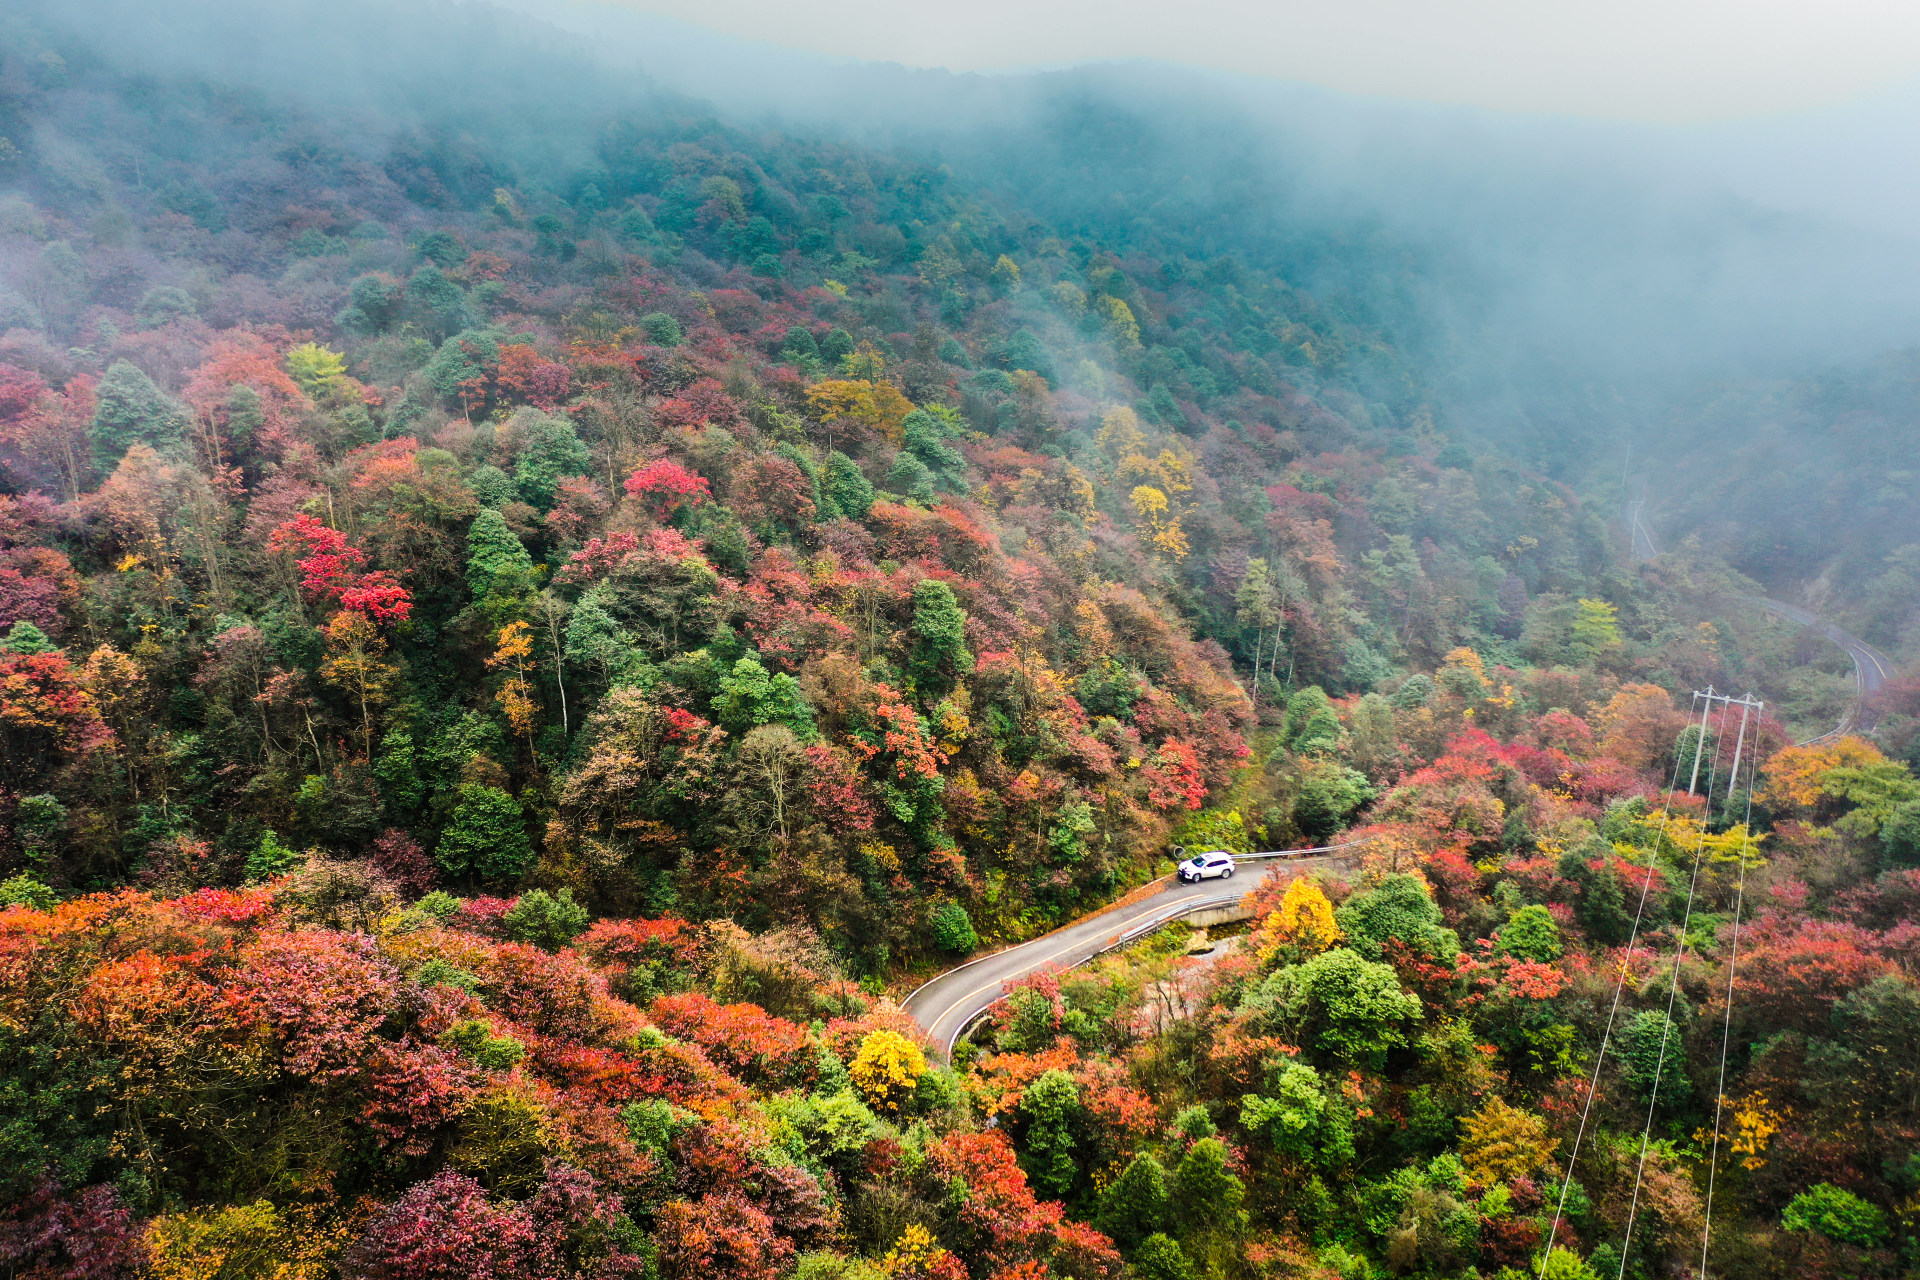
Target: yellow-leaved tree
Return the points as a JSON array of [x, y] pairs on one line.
[[319, 370], [241, 1240], [1120, 433], [886, 1069], [1794, 774], [1847, 784], [1302, 927], [515, 656], [916, 1255], [1118, 320], [1158, 522], [875, 407], [1502, 1142], [354, 650]]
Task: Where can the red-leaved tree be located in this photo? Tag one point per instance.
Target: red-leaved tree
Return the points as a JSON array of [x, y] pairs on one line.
[[664, 487], [443, 1229], [88, 1235], [721, 1236]]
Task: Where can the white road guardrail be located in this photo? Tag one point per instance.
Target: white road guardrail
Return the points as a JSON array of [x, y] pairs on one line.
[[1138, 930], [1180, 851]]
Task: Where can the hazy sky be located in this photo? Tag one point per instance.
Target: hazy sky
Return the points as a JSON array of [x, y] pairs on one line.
[[1656, 60]]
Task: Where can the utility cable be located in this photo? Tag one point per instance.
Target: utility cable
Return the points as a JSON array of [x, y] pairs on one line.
[[1726, 1029], [1606, 1036], [1667, 1033], [1660, 1062]]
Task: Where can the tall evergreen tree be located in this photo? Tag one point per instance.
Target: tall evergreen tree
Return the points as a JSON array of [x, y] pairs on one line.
[[487, 837], [549, 449], [940, 653], [130, 409], [497, 564], [845, 490], [1134, 1205]]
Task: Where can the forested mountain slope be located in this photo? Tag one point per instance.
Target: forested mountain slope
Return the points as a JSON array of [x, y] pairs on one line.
[[1806, 482], [529, 609], [370, 469]]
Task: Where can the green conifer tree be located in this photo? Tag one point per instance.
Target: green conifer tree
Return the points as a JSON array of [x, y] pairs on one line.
[[487, 836], [940, 655], [549, 449], [129, 409], [1160, 1257], [24, 637], [1134, 1205], [1049, 1105], [1208, 1194], [497, 564], [845, 489]]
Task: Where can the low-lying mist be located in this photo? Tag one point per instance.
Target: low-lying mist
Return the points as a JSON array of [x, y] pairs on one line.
[[1626, 251], [1559, 284], [1627, 248]]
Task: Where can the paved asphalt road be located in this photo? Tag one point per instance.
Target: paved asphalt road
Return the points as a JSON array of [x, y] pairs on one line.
[[945, 1006], [1871, 668], [948, 1004]]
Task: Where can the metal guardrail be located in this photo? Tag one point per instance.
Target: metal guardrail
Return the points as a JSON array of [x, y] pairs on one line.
[[1180, 851], [1850, 645], [1196, 906], [1141, 929], [1175, 912], [1126, 939]]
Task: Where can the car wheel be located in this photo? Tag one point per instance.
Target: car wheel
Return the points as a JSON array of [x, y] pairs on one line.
[[1227, 874]]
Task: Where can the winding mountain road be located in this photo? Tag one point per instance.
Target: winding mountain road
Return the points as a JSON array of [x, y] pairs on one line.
[[951, 1002], [1871, 668]]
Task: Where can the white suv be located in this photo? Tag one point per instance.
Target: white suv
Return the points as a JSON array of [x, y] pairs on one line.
[[1206, 866]]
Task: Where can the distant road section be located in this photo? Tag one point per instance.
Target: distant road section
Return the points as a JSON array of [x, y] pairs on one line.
[[1871, 668], [947, 1005]]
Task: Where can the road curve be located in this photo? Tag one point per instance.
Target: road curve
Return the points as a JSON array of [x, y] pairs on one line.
[[1871, 668], [948, 1004]]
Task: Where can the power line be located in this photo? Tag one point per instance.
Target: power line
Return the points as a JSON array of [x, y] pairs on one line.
[[1746, 705], [1705, 700], [1726, 1029], [1606, 1036]]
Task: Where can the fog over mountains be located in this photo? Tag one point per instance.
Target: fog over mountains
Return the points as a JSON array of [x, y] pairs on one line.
[[1553, 273]]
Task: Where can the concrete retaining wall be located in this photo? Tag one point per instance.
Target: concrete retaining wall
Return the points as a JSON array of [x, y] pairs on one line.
[[1238, 911], [1219, 915]]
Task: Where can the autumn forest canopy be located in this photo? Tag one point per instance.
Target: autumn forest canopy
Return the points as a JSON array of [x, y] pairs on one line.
[[535, 610]]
